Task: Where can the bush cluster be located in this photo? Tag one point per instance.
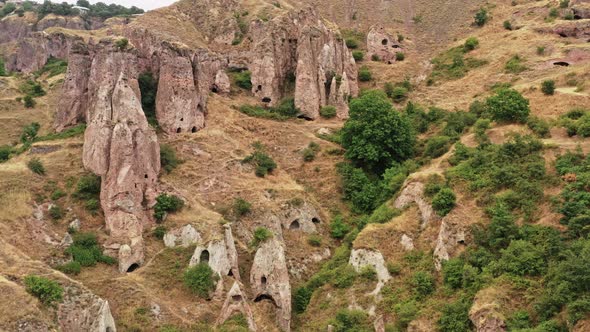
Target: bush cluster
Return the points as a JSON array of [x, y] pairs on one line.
[[284, 111], [166, 204], [260, 235], [200, 280], [85, 252], [261, 160], [168, 159], [46, 290], [36, 166]]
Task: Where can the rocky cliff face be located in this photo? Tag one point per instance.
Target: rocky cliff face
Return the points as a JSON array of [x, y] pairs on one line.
[[33, 52], [382, 45], [123, 149]]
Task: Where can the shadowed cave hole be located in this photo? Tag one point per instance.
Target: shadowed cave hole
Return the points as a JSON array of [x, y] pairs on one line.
[[259, 88], [214, 89], [561, 63], [315, 220], [294, 224], [306, 118], [133, 267], [266, 100], [384, 42], [178, 130], [193, 129], [265, 297], [230, 273], [236, 298], [204, 257], [263, 281]]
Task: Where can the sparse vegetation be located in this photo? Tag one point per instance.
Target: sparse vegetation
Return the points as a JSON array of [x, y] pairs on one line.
[[400, 56], [53, 67], [122, 43], [260, 235], [46, 290], [243, 79], [36, 166], [148, 86], [365, 74], [328, 112], [548, 87], [86, 251], [168, 159], [471, 43], [507, 25], [453, 64], [481, 17], [2, 67], [358, 55], [241, 207], [515, 65], [166, 204], [284, 111], [262, 162]]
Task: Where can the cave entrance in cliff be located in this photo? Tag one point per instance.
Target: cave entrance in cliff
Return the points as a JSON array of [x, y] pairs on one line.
[[384, 42], [214, 89], [315, 220], [193, 129], [133, 267], [230, 273], [259, 88], [294, 224], [304, 117], [178, 130], [263, 281], [266, 297], [236, 298], [204, 257], [561, 63], [266, 100]]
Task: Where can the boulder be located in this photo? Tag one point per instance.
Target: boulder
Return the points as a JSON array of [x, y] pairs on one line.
[[184, 236], [269, 280], [485, 312], [413, 192], [220, 255], [360, 258]]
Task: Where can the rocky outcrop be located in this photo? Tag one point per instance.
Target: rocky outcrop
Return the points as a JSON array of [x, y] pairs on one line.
[[451, 237], [575, 29], [83, 311], [485, 313], [300, 46], [302, 217], [73, 102], [269, 280], [183, 236], [235, 302], [360, 258], [13, 28], [220, 255], [68, 22], [382, 45], [413, 192], [33, 52], [123, 149]]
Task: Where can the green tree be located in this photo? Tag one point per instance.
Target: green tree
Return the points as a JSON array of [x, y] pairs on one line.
[[444, 201], [522, 258], [481, 17], [508, 105], [455, 317], [548, 87], [166, 203], [376, 135]]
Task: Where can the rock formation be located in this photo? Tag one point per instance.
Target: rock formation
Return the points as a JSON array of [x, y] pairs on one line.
[[451, 236], [82, 311], [33, 52], [235, 302], [123, 149], [183, 236], [220, 255], [299, 46], [485, 312], [303, 218], [383, 45], [359, 258], [413, 192], [269, 280]]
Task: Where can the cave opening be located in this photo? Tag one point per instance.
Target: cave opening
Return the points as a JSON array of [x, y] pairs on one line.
[[561, 63], [178, 130], [193, 129], [236, 298], [384, 42], [266, 100], [133, 267], [263, 281], [315, 220], [204, 257], [305, 117], [294, 224], [265, 297]]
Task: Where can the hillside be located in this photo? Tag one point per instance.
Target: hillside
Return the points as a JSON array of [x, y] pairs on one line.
[[296, 166]]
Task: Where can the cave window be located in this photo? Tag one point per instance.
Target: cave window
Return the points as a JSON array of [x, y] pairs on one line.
[[315, 220], [259, 88], [395, 46], [236, 298], [181, 119], [133, 267], [204, 257], [461, 241], [193, 129], [230, 273], [145, 176], [262, 297], [263, 281], [266, 100], [214, 89], [306, 118], [109, 329], [577, 17], [178, 130], [561, 63], [384, 42], [294, 224]]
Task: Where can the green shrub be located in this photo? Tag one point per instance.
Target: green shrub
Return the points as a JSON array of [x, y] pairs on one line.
[[358, 55], [548, 87], [553, 13], [314, 240], [455, 317], [2, 67], [88, 187], [260, 235], [507, 25], [471, 43], [263, 162], [375, 57], [368, 273], [564, 3], [351, 321], [481, 17], [328, 112], [364, 193], [352, 43], [400, 56], [406, 312], [519, 320], [73, 268], [422, 283], [200, 280], [57, 194], [310, 152], [508, 105], [284, 111], [29, 133], [46, 290], [437, 146], [399, 94], [243, 79], [375, 135], [56, 212], [444, 201], [241, 207], [583, 126], [36, 166], [32, 88], [453, 272], [85, 250], [5, 152], [166, 204], [515, 65], [301, 299], [540, 50], [344, 277], [159, 232], [338, 228], [521, 258], [122, 43], [365, 74], [168, 159], [53, 67], [539, 126]]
